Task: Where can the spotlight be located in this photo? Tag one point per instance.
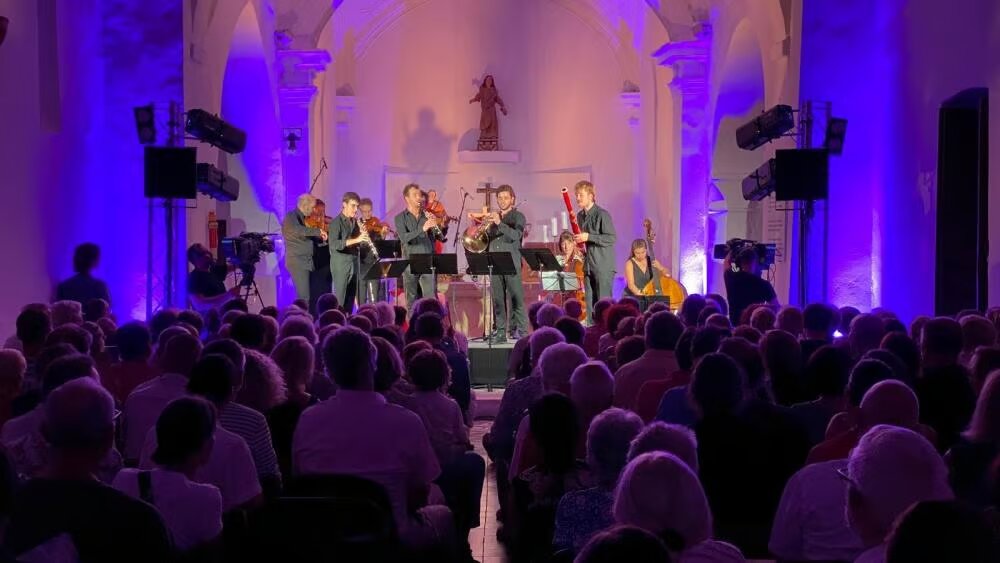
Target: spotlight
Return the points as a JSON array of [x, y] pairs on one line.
[[145, 124], [760, 183], [216, 184], [766, 127], [211, 129], [836, 130]]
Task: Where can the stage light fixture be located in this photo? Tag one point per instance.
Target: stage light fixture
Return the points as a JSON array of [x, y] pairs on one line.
[[766, 127], [4, 22], [216, 184], [760, 183], [213, 130], [836, 130], [145, 124]]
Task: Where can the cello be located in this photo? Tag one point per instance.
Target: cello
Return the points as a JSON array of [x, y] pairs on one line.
[[662, 284]]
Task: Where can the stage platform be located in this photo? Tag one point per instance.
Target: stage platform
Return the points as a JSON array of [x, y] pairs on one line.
[[488, 364]]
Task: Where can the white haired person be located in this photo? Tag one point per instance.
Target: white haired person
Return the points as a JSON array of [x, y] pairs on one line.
[[659, 493], [102, 524], [891, 469], [581, 514], [299, 244]]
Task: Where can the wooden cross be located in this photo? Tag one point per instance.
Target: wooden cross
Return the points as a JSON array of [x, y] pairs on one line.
[[487, 190]]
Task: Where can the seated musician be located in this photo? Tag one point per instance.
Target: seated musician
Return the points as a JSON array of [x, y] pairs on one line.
[[568, 251], [641, 269]]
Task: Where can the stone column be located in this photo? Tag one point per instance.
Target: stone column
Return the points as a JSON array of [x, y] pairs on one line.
[[690, 62], [296, 71]]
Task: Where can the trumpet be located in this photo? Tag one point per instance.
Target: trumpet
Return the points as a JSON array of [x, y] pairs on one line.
[[368, 240]]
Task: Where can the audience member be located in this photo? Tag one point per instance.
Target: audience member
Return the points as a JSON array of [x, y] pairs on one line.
[[662, 495], [12, 368], [297, 326], [250, 331], [985, 360], [846, 315], [626, 350], [230, 466], [670, 438], [934, 531], [332, 317], [791, 320], [31, 394], [675, 407], [783, 366], [135, 348], [826, 375], [658, 362], [749, 333], [430, 327], [360, 322], [591, 388], [572, 329], [891, 469], [573, 308], [296, 358], [263, 383], [970, 457], [599, 328], [691, 308], [72, 334], [536, 492], [392, 447], [864, 375], [748, 357], [33, 328], [819, 320], [624, 543], [144, 405], [462, 470], [904, 348], [192, 511], [518, 363], [976, 331], [582, 514], [99, 523], [517, 398], [389, 374], [763, 319]]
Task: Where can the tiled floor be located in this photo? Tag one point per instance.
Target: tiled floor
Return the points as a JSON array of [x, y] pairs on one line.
[[485, 547]]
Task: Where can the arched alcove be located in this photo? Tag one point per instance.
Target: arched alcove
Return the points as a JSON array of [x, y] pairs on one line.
[[248, 100], [741, 95]]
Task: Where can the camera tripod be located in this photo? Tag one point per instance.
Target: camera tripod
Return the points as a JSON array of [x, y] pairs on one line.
[[247, 282]]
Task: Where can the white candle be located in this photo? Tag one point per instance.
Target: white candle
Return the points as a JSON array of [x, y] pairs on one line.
[[555, 227], [565, 221], [545, 233]]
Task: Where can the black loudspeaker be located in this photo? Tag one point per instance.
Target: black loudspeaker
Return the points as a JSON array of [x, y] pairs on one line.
[[960, 274], [171, 172], [801, 174]]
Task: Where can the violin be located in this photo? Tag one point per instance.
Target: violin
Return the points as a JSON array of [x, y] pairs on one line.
[[319, 222], [436, 208], [377, 229]]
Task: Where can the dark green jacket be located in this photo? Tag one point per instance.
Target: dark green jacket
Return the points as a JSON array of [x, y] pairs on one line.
[[412, 237], [298, 240], [601, 244], [506, 237]]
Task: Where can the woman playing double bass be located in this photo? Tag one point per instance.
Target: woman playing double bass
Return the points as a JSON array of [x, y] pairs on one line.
[[641, 269]]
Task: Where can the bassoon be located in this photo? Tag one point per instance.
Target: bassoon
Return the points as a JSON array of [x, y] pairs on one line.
[[574, 226]]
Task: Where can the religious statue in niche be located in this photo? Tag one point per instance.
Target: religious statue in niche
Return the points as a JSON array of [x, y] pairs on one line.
[[489, 125]]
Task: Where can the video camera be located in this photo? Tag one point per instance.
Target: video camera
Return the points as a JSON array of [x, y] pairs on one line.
[[765, 252], [245, 251]]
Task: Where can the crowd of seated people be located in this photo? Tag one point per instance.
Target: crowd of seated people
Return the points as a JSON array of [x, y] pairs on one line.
[[647, 436]]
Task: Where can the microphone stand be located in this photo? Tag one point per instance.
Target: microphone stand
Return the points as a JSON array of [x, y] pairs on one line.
[[458, 224]]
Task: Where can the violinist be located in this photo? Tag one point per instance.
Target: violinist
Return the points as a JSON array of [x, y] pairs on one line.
[[371, 290], [299, 245], [320, 279]]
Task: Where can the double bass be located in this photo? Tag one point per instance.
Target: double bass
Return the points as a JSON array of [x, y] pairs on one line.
[[662, 284]]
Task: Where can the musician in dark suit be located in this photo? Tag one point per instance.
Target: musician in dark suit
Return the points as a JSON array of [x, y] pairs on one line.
[[505, 235], [299, 244], [417, 234], [598, 233], [344, 258]]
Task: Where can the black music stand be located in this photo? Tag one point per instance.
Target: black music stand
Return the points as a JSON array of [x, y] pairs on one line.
[[388, 248], [490, 264], [433, 264], [383, 271], [540, 259]]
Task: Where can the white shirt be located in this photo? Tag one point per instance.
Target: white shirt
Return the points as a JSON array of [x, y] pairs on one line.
[[144, 406], [360, 433], [230, 467], [192, 511], [811, 522]]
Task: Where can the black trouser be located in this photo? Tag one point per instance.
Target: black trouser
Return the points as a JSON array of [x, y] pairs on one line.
[[417, 287], [369, 291], [345, 283], [596, 286], [301, 278], [503, 288]]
